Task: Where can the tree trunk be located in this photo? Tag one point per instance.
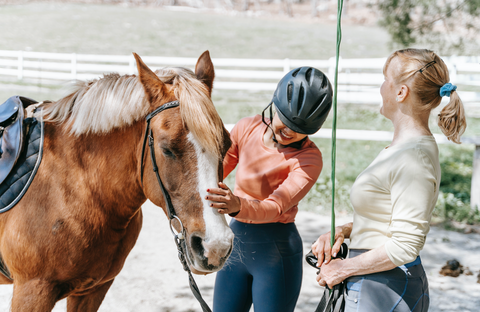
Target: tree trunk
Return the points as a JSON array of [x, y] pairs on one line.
[[245, 5], [288, 7]]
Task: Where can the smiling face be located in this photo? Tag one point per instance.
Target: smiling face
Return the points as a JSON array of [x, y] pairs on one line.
[[283, 134]]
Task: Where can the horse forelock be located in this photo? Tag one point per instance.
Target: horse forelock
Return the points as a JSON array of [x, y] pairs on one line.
[[114, 101], [196, 108]]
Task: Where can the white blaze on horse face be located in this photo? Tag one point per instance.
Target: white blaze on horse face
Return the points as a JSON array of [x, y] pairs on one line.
[[218, 238]]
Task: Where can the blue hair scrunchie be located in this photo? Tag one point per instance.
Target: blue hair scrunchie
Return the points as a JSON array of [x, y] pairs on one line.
[[447, 89]]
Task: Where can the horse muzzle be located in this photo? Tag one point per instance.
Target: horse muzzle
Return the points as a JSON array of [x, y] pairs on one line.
[[208, 256]]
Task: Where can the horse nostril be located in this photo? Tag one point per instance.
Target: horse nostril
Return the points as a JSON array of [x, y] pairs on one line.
[[197, 246], [207, 254]]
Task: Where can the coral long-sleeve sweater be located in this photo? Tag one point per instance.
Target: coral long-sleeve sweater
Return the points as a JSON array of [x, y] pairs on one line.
[[269, 182]]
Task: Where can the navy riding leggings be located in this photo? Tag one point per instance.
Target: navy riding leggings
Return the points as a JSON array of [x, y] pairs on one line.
[[265, 268]]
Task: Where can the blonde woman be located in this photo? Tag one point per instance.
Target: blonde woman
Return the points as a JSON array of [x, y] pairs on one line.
[[394, 197]]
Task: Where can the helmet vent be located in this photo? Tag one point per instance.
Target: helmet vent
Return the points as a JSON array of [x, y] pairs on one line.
[[308, 74], [301, 96], [324, 83], [289, 93], [294, 74]]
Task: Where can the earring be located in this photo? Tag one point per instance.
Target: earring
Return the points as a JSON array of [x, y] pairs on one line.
[[396, 99]]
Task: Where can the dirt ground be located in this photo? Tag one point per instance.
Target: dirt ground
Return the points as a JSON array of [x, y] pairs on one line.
[[153, 279]]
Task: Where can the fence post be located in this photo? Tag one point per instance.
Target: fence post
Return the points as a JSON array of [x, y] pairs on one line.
[[74, 66], [20, 65], [286, 65], [331, 68], [453, 73], [475, 190], [131, 65]]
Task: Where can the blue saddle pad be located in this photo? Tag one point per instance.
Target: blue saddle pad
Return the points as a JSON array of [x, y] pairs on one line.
[[19, 179]]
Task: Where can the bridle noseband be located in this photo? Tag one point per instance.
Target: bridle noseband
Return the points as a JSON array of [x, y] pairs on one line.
[[179, 237]]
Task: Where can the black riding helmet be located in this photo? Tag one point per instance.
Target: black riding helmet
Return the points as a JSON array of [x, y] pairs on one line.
[[303, 99]]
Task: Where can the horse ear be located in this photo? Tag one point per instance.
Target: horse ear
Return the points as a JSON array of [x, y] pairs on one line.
[[154, 87], [204, 70]]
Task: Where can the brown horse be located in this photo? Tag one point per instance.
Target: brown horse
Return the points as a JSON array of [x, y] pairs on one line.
[[70, 234]]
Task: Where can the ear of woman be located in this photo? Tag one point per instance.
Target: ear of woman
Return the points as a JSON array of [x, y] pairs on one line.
[[402, 93]]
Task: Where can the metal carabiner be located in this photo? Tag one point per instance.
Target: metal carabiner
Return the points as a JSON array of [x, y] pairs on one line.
[[180, 234]]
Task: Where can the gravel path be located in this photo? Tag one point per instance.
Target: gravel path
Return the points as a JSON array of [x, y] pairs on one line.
[[153, 279]]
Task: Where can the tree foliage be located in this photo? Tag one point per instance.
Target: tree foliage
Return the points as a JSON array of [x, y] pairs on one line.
[[447, 26]]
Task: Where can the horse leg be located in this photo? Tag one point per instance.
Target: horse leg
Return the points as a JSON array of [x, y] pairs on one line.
[[34, 296], [89, 302]]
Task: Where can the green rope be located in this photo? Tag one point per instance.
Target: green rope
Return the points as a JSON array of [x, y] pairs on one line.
[[334, 124]]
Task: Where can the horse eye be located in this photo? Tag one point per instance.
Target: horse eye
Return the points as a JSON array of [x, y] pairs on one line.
[[168, 152]]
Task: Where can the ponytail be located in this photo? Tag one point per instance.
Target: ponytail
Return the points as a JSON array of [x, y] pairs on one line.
[[428, 79], [451, 119]]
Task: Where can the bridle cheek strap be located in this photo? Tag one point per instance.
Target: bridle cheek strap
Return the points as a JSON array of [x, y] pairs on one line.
[[148, 132], [180, 236]]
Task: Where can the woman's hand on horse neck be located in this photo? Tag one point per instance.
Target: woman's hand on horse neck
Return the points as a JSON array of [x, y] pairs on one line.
[[223, 199]]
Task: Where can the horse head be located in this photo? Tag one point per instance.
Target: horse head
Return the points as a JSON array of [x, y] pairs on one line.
[[189, 144]]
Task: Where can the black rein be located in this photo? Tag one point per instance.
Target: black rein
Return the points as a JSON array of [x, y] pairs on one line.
[[180, 236]]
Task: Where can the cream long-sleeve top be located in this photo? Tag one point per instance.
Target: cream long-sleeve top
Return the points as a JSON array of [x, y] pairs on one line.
[[270, 182], [394, 197]]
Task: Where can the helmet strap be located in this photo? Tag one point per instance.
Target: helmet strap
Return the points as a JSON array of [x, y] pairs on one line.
[[298, 144], [271, 120]]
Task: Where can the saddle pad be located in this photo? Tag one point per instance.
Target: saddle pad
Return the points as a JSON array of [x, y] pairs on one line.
[[19, 179]]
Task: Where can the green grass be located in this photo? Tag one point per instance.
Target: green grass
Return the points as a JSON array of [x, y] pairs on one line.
[[113, 29], [153, 31]]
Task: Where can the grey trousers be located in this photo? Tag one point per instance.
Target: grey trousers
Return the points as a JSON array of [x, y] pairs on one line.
[[403, 289]]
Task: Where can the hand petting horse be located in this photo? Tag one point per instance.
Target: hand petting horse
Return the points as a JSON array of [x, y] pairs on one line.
[[71, 232]]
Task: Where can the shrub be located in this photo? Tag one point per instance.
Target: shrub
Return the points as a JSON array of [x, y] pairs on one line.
[[457, 166], [319, 199], [451, 208]]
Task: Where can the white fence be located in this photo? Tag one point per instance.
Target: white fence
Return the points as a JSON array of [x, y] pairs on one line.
[[359, 79]]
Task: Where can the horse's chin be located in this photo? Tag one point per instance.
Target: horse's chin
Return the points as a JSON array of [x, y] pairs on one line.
[[199, 264], [195, 271], [200, 269]]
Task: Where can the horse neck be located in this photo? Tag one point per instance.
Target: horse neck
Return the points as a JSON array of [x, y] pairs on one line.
[[105, 166]]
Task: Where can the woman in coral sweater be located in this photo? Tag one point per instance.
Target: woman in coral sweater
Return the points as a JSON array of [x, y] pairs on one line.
[[276, 165]]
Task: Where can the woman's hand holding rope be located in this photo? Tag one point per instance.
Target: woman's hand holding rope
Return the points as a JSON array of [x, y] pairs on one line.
[[321, 247], [223, 199], [331, 270]]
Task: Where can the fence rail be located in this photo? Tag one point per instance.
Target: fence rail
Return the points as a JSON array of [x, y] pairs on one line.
[[387, 136], [359, 79]]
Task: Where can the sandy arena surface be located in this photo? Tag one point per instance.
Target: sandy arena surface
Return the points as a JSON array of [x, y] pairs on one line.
[[153, 279]]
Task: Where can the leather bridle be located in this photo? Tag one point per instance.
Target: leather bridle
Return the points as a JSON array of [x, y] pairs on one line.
[[179, 237]]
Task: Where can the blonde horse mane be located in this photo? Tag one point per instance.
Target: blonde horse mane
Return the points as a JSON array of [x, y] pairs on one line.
[[114, 101]]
